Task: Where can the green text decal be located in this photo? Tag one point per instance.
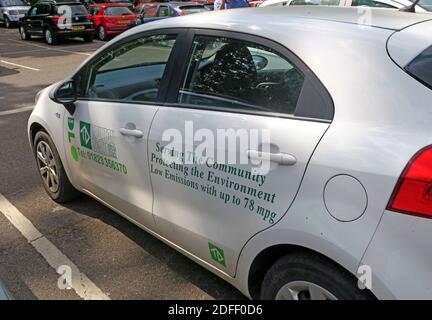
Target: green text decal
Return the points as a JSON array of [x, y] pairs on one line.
[[217, 254]]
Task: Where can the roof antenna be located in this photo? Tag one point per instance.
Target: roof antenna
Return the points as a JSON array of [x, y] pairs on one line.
[[410, 8]]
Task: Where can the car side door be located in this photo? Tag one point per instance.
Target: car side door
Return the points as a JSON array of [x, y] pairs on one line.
[[228, 151], [119, 91], [39, 20]]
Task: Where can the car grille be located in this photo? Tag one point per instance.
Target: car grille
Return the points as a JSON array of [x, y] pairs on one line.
[[22, 11]]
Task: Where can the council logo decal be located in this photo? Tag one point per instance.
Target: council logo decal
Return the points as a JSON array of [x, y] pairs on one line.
[[85, 135], [96, 144], [217, 254]]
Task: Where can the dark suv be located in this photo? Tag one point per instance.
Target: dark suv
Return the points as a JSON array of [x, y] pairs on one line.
[[55, 19]]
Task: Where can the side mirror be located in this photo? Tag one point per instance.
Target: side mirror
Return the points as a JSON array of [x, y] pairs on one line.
[[65, 94], [259, 61]]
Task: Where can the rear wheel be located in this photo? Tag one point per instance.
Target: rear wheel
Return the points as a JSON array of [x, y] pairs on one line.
[[305, 276], [50, 37], [88, 37], [23, 33], [51, 171], [102, 33]]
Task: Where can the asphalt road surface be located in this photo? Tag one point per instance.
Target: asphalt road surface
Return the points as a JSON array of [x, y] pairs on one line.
[[118, 258]]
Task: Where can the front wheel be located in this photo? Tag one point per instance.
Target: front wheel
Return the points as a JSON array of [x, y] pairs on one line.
[[51, 171], [7, 22], [305, 276], [23, 33]]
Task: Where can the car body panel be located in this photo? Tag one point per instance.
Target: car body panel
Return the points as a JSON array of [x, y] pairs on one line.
[[113, 24]]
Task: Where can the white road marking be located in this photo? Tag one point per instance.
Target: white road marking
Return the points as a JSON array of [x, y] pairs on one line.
[[82, 285], [17, 110], [19, 65], [54, 49]]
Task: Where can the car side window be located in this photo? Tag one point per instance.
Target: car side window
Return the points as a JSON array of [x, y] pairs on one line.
[[371, 3], [230, 73], [33, 11], [131, 71]]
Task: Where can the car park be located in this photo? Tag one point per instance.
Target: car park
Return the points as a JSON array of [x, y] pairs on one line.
[[350, 167], [422, 7], [11, 11], [111, 19], [55, 20], [161, 11]]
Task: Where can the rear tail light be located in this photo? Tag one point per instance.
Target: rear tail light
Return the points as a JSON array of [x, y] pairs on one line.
[[55, 19], [413, 192]]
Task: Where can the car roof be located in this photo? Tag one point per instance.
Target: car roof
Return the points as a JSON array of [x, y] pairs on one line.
[[185, 4], [313, 15], [106, 5], [60, 2]]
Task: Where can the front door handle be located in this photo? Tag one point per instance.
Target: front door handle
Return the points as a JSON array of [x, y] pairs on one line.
[[132, 133], [280, 158]]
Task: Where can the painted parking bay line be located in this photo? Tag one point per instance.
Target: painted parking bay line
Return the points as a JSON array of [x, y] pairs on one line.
[[81, 284], [17, 110], [19, 65]]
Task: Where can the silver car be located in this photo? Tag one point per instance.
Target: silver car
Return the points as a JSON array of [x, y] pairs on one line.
[[11, 11], [334, 197]]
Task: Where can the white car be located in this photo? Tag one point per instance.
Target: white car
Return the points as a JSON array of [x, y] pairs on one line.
[[11, 11], [335, 187], [422, 7]]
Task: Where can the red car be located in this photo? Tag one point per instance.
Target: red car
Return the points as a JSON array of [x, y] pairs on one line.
[[111, 19]]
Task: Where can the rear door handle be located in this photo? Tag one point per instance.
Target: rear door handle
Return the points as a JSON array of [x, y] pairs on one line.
[[280, 158], [132, 133]]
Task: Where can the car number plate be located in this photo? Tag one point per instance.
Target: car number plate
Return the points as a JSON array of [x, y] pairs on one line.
[[78, 28], [123, 21]]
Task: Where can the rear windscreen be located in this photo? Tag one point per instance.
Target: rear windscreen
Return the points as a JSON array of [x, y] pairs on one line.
[[76, 9], [117, 11], [421, 67], [193, 9]]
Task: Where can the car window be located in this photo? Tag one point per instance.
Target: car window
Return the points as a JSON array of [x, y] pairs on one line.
[[193, 9], [150, 11], [163, 11], [426, 4], [12, 3], [117, 11], [421, 67], [131, 71], [33, 11], [315, 2], [43, 9], [229, 73], [371, 3]]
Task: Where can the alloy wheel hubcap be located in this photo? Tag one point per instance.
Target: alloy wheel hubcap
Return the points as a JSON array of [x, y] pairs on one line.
[[48, 36], [47, 166], [101, 33], [303, 290], [7, 23], [23, 34]]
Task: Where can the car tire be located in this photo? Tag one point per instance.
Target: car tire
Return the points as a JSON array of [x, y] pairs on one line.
[[23, 33], [7, 22], [102, 33], [306, 276], [50, 37], [51, 170], [88, 37]]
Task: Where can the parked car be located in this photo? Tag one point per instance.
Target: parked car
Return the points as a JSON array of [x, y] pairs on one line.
[[160, 11], [423, 6], [11, 11], [345, 195], [111, 19], [48, 19]]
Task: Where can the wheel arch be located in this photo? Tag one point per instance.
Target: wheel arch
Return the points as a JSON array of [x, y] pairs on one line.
[[268, 257]]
